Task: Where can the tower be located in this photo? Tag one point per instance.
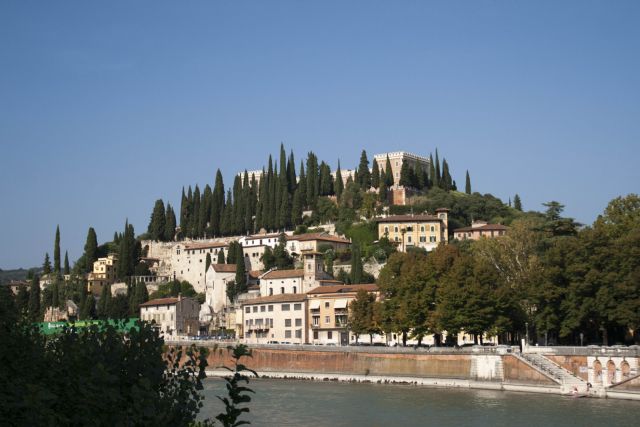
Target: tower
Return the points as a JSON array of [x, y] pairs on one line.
[[313, 262]]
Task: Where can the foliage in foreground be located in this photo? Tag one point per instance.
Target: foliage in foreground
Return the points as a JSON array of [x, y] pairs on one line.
[[97, 376]]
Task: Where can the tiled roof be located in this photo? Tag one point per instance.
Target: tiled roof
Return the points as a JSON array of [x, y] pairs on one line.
[[255, 274], [486, 227], [283, 274], [224, 268], [408, 218], [325, 237], [342, 289], [160, 301], [276, 298], [191, 246], [262, 236]]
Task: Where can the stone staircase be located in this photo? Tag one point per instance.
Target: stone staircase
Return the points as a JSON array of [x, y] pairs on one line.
[[567, 380]]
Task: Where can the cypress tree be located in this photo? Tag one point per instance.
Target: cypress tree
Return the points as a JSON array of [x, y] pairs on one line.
[[139, 295], [383, 193], [433, 181], [375, 174], [388, 170], [241, 273], [157, 223], [284, 176], [339, 185], [217, 205], [364, 175], [91, 249], [56, 252], [238, 206], [104, 303], [291, 171], [405, 177], [284, 211], [438, 176], [326, 180], [260, 201], [296, 207], [207, 262], [517, 203], [248, 200], [356, 265], [88, 309], [312, 172], [195, 214], [34, 299], [183, 212], [446, 183], [67, 270], [170, 224], [467, 184], [188, 230], [205, 210], [55, 294], [46, 265], [302, 186], [221, 259]]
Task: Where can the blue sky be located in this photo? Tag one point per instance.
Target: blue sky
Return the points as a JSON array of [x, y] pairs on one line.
[[106, 107]]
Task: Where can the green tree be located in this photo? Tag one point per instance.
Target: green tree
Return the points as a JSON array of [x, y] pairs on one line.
[[467, 184], [89, 308], [375, 174], [221, 259], [170, 224], [517, 203], [364, 175], [139, 295], [67, 269], [104, 303], [90, 250], [157, 223], [46, 265], [361, 315], [388, 180], [207, 262], [356, 264], [241, 272], [339, 185], [56, 252], [34, 299]]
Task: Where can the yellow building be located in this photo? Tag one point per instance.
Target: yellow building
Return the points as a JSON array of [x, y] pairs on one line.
[[104, 273], [329, 312], [419, 231]]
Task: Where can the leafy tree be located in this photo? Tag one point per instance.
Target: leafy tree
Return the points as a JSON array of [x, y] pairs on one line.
[[67, 268], [56, 252], [375, 175], [361, 314], [364, 175], [555, 224], [46, 265], [90, 250], [157, 223], [517, 203]]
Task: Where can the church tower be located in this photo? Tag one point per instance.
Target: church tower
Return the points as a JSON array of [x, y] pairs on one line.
[[313, 269]]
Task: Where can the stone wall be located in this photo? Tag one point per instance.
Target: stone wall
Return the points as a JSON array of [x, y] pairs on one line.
[[574, 364], [632, 384], [516, 371]]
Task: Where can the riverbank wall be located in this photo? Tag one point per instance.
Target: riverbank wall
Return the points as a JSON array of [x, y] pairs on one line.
[[436, 368]]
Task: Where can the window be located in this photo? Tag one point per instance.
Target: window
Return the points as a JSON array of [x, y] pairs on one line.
[[423, 239], [255, 308], [433, 229], [395, 229], [298, 322], [282, 290], [270, 291], [409, 239], [327, 319], [297, 307], [286, 307], [432, 239], [247, 309], [315, 320], [386, 230], [263, 308], [422, 228], [298, 333], [287, 323], [270, 308], [329, 335], [315, 335], [326, 304], [287, 334], [295, 291]]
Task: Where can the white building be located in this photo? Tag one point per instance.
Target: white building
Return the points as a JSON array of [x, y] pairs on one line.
[[254, 246], [216, 299], [276, 318], [173, 316], [296, 244]]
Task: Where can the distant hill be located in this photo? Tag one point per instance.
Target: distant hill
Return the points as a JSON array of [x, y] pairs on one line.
[[20, 274]]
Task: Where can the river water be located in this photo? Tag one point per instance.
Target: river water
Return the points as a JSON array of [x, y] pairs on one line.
[[319, 404]]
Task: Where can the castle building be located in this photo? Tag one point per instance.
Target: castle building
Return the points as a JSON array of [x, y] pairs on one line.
[[399, 158]]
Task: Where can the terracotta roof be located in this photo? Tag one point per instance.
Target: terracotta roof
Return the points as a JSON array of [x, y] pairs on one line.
[[276, 298], [262, 236], [331, 281], [191, 246], [224, 268], [343, 289], [282, 274], [160, 301], [408, 218], [253, 287], [486, 227], [255, 274], [325, 237]]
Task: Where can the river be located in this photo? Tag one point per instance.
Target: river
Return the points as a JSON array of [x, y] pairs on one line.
[[319, 404]]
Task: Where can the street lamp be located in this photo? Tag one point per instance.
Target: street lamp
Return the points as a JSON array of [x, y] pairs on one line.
[[526, 325]]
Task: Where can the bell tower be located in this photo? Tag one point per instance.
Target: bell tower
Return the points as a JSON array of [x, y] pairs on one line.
[[313, 269]]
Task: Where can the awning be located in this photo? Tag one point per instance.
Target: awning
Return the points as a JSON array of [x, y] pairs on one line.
[[340, 303], [314, 305]]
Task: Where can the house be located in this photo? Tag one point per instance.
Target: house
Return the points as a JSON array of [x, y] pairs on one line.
[[104, 273], [254, 246], [329, 312], [276, 318], [174, 317], [213, 309], [296, 281], [296, 244], [478, 230], [418, 231]]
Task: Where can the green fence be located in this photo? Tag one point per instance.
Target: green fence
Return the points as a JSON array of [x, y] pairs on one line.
[[50, 328]]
